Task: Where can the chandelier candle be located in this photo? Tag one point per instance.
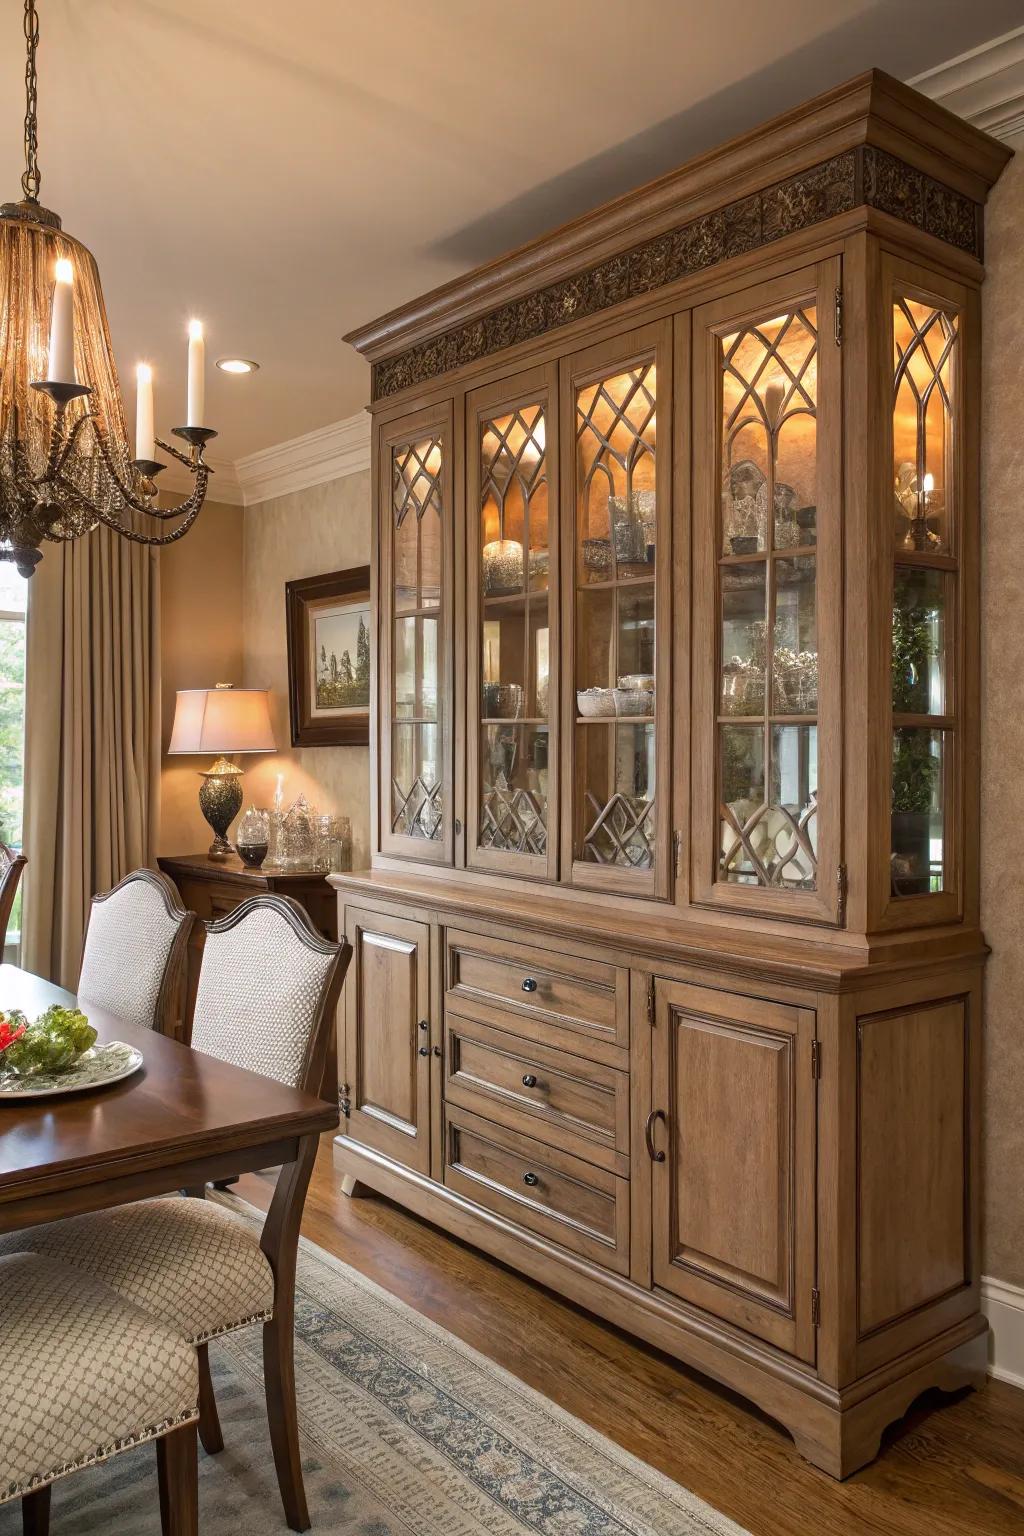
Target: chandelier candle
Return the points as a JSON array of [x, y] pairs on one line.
[[196, 374], [62, 326], [145, 440]]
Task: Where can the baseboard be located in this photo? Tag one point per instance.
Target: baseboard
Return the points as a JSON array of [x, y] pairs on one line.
[[1003, 1305]]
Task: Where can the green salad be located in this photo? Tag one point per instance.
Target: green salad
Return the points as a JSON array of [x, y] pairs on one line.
[[52, 1044]]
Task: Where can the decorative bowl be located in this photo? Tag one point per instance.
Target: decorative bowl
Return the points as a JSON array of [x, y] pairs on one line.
[[644, 681], [595, 703], [633, 701], [597, 554]]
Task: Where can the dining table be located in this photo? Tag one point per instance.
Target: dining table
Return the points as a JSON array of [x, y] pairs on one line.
[[184, 1119]]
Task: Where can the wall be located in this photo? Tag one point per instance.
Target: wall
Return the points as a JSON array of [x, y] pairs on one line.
[[1002, 819], [305, 533], [201, 638]]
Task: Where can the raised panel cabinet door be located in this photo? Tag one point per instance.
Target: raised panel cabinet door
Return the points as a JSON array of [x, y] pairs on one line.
[[732, 1135], [415, 548], [386, 1075], [767, 585]]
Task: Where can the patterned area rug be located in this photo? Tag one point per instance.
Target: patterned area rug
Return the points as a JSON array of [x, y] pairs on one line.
[[406, 1432]]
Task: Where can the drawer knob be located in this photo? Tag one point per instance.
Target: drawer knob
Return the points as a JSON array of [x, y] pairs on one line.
[[531, 1179], [423, 1024], [437, 1050], [529, 985], [529, 1081], [424, 1050]]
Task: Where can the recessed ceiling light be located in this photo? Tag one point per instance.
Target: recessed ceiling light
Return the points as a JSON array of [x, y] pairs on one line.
[[237, 365]]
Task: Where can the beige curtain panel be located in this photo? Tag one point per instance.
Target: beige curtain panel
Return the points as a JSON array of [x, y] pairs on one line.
[[92, 737]]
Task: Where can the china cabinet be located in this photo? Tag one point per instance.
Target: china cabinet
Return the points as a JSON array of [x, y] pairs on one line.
[[667, 971]]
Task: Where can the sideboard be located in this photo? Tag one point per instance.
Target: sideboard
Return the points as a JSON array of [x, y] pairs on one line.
[[667, 973]]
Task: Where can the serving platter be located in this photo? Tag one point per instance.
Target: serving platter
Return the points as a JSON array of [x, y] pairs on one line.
[[97, 1067]]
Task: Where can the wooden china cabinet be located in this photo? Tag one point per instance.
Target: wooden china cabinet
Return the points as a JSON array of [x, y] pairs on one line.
[[667, 973]]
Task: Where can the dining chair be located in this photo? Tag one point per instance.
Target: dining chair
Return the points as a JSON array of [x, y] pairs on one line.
[[11, 866], [85, 1374], [133, 958], [267, 998]]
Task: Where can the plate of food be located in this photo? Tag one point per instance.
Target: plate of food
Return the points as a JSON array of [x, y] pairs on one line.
[[58, 1054]]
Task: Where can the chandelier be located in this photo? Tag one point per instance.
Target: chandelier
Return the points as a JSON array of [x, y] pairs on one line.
[[65, 460]]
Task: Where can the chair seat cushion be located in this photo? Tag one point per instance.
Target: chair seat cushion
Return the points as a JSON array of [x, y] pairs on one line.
[[83, 1373], [192, 1264]]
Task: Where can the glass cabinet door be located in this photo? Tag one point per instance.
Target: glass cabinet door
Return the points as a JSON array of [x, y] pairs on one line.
[[512, 649], [415, 793], [768, 599], [617, 437], [925, 517]]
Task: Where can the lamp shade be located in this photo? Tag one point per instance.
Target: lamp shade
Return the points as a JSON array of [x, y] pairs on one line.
[[222, 720]]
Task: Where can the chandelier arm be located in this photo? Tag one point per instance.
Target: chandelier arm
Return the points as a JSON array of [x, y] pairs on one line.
[[182, 458], [191, 508], [144, 508], [57, 460]]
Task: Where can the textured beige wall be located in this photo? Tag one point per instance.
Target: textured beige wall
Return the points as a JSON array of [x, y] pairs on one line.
[[325, 528], [201, 639], [1002, 762]]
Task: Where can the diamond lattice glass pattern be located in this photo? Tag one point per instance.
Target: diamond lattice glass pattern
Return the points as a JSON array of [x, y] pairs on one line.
[[925, 351], [768, 657], [417, 666]]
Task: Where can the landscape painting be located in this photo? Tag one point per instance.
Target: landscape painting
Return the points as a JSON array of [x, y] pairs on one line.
[[341, 647], [329, 658]]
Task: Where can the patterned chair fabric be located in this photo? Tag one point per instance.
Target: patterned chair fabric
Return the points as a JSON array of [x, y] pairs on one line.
[[196, 1267], [83, 1374], [260, 988], [127, 950]]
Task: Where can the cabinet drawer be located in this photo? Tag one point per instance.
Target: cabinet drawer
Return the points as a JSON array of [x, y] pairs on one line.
[[578, 1105], [576, 1003], [550, 1192]]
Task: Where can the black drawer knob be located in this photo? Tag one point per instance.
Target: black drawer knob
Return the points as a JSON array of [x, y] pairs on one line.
[[531, 1179], [529, 1081], [424, 1050], [529, 985], [424, 1024], [437, 1050]]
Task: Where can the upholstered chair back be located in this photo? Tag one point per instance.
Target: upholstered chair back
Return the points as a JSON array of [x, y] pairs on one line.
[[264, 983], [135, 949]]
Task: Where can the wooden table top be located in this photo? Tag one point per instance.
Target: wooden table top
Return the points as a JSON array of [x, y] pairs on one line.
[[182, 1114], [198, 866]]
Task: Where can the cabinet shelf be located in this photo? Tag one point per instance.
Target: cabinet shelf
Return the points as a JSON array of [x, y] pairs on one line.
[[614, 719]]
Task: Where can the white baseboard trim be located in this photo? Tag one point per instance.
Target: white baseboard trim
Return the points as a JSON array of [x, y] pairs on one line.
[[1003, 1305]]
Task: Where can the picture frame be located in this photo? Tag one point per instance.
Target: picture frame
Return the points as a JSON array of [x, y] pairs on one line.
[[329, 658]]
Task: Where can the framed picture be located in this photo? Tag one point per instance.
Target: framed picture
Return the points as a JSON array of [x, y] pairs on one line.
[[329, 658]]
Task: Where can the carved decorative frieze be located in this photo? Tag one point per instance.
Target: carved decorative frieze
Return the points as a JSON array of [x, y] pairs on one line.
[[855, 178]]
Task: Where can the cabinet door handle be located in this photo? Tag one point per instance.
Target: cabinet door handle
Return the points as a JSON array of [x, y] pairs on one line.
[[437, 1050], [531, 1179], [529, 985], [529, 1081], [653, 1153], [424, 1024], [424, 1050]]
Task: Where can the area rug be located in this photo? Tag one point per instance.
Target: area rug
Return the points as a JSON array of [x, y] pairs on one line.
[[406, 1431]]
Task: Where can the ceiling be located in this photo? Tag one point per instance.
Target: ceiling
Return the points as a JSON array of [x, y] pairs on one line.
[[286, 173]]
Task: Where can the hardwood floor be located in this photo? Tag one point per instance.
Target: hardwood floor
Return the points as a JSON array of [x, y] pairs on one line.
[[956, 1469]]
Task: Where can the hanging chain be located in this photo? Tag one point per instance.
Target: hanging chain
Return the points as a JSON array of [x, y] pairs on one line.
[[31, 178]]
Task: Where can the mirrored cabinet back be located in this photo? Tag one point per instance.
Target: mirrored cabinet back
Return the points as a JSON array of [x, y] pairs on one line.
[[667, 973]]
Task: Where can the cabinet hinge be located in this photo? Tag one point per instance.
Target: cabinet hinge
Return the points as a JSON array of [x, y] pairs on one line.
[[841, 885], [677, 851], [650, 999], [839, 317], [815, 1058], [815, 1307]]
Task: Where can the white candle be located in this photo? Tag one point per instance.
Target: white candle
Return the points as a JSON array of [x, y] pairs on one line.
[[145, 441], [62, 326], [196, 375]]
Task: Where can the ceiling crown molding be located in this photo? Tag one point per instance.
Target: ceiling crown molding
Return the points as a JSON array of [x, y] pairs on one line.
[[326, 454], [984, 85]]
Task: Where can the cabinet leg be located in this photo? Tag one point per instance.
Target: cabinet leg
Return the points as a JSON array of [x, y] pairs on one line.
[[353, 1187]]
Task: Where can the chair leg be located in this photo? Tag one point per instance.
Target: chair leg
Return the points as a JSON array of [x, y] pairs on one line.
[[177, 1465], [35, 1512], [209, 1421], [279, 1378]]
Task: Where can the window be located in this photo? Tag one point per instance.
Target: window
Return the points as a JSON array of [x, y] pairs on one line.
[[13, 597]]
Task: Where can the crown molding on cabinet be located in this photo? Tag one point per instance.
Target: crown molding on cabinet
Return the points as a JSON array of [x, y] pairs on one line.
[[985, 85], [325, 454]]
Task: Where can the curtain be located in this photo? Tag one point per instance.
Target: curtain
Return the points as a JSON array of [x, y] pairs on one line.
[[92, 737]]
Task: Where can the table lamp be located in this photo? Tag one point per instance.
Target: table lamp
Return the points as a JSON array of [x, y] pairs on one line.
[[221, 720]]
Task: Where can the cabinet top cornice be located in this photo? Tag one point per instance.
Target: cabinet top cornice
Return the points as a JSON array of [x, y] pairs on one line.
[[870, 142]]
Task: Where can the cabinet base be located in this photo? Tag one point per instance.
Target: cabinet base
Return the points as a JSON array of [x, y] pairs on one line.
[[837, 1431]]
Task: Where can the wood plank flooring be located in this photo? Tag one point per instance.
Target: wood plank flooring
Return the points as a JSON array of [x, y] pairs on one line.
[[953, 1467]]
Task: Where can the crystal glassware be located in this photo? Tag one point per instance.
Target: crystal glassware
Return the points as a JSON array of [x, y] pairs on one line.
[[253, 837]]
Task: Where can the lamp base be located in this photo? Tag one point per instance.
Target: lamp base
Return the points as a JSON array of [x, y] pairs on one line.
[[220, 800]]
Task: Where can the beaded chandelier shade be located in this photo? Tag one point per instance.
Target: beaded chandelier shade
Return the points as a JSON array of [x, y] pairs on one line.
[[66, 464]]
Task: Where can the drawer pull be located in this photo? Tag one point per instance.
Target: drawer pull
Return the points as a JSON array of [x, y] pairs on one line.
[[529, 985], [529, 1081], [531, 1179], [655, 1156], [424, 1024], [424, 1050]]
